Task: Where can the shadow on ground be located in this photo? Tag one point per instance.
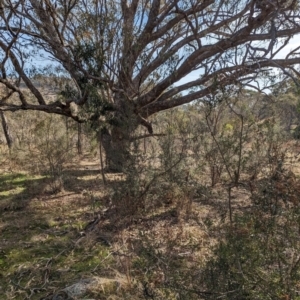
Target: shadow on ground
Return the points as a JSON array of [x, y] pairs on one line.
[[53, 240], [39, 230]]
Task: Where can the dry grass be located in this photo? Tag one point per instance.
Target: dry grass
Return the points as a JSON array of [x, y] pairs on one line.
[[49, 242], [44, 246]]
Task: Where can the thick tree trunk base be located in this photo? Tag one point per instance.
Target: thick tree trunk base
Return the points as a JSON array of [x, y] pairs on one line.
[[116, 151]]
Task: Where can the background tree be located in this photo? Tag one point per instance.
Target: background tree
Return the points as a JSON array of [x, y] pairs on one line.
[[8, 137], [122, 61]]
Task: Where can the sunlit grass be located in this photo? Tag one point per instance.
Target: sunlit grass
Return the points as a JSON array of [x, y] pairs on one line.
[[16, 191], [39, 237]]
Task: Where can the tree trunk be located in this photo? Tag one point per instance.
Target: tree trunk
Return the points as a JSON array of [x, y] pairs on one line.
[[67, 132], [117, 138], [116, 146], [7, 134], [101, 160], [79, 137]]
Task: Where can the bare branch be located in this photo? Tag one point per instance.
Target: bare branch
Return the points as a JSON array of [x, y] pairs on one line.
[[133, 53]]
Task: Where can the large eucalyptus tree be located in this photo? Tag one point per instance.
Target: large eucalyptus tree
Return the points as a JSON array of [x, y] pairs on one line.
[[124, 60]]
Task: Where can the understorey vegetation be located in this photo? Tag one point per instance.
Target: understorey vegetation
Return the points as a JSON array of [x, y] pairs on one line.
[[207, 208], [149, 149]]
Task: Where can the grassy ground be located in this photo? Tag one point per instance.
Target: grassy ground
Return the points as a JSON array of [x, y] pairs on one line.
[[49, 241], [46, 244], [40, 232]]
